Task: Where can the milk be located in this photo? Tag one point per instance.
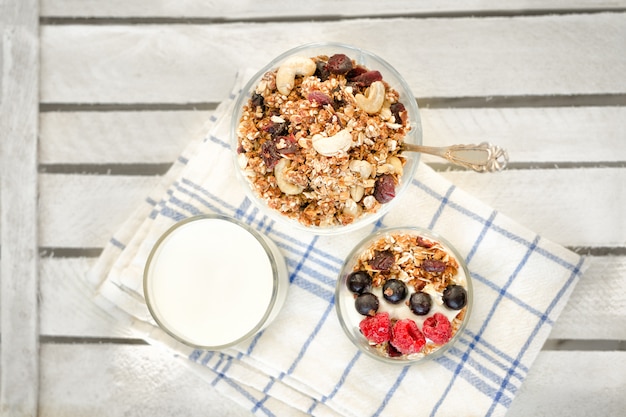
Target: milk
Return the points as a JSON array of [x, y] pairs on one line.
[[210, 282]]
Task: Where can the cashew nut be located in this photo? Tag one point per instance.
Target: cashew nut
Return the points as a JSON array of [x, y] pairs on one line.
[[286, 74], [374, 97], [332, 145], [398, 168], [362, 167], [285, 186]]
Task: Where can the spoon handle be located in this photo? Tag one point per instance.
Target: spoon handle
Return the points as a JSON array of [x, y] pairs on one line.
[[484, 157]]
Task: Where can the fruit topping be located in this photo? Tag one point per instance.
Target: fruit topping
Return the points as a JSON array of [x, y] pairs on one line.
[[455, 297], [359, 281], [437, 328], [433, 265], [406, 337], [394, 291], [382, 260], [384, 189], [376, 329], [339, 64], [420, 303], [366, 304]]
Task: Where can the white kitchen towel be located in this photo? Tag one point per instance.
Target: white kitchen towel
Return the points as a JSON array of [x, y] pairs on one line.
[[303, 364]]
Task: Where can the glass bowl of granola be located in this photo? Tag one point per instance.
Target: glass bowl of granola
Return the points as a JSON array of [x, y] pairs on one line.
[[317, 137], [404, 295]]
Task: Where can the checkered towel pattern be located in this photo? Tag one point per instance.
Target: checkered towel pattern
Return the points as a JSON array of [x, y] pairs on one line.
[[303, 364]]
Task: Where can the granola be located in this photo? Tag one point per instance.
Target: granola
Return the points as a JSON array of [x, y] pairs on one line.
[[315, 154]]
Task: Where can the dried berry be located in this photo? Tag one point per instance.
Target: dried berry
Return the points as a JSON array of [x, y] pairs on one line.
[[355, 72], [384, 189], [399, 112], [424, 243], [339, 64], [437, 328], [382, 260], [367, 78], [420, 303], [257, 100], [275, 129], [287, 145], [366, 304], [394, 291], [406, 337], [376, 329], [269, 153], [321, 71], [359, 281], [455, 297], [319, 98], [433, 265]]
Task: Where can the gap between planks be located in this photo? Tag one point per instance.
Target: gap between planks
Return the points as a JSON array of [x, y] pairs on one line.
[[155, 20]]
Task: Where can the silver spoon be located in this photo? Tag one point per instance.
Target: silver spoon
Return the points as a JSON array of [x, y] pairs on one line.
[[484, 157]]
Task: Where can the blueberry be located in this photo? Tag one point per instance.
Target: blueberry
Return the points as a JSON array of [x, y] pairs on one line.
[[394, 291], [420, 303], [359, 281], [366, 304], [455, 297]]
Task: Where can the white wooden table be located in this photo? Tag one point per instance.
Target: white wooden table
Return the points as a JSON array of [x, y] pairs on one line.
[[99, 97]]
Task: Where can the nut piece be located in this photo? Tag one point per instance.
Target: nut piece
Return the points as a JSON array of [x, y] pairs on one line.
[[286, 74], [285, 186], [362, 167], [332, 145], [374, 97]]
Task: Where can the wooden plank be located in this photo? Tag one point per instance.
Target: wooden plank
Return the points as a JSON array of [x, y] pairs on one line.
[[19, 359], [568, 215], [224, 9], [66, 309], [101, 380], [139, 381], [99, 205], [531, 135], [449, 57], [573, 384], [118, 137]]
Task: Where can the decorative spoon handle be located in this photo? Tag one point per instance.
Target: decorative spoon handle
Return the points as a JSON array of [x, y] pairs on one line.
[[484, 157]]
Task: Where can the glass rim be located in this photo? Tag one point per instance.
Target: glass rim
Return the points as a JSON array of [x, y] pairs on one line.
[[163, 238], [341, 287], [415, 134]]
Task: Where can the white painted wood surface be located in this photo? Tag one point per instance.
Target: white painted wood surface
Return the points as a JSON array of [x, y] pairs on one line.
[[118, 87], [19, 94]]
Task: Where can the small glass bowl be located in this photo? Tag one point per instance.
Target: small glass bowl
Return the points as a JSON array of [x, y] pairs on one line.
[[211, 282], [371, 62], [350, 319]]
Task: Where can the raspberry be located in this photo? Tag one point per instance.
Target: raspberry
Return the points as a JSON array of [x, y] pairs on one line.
[[376, 329], [437, 328], [406, 337]]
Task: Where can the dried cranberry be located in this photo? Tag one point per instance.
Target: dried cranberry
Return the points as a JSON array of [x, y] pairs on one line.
[[384, 189], [424, 243], [367, 78], [339, 64], [270, 154], [433, 265], [398, 110], [275, 129], [321, 71], [257, 100], [382, 260], [354, 72], [319, 97]]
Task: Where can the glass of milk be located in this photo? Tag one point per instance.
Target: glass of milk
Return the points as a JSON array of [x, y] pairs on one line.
[[212, 281]]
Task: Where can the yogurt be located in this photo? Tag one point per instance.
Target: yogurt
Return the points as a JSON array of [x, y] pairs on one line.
[[211, 282]]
